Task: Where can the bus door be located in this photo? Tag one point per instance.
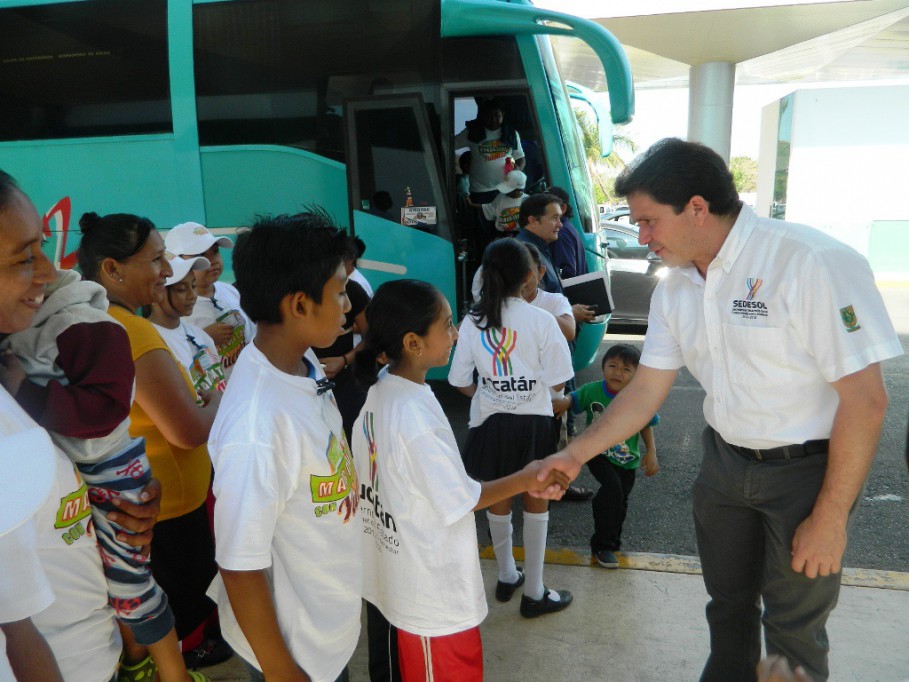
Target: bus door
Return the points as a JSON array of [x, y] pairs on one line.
[[396, 192]]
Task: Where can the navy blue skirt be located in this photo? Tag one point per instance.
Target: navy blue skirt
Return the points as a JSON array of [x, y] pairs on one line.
[[505, 443]]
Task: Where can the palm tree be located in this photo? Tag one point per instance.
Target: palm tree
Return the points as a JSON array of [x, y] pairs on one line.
[[603, 169]]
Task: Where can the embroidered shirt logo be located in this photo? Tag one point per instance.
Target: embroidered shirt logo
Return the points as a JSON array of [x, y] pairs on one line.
[[850, 321], [747, 308], [753, 286], [500, 344]]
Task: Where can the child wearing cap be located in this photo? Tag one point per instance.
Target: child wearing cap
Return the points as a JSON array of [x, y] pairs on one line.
[[504, 209], [191, 346], [73, 373], [217, 310]]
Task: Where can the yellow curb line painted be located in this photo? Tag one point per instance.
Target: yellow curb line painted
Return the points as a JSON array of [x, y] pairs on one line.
[[675, 563]]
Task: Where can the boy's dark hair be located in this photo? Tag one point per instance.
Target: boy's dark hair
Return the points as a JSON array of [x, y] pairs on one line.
[[382, 200], [398, 307], [8, 187], [506, 263], [563, 195], [673, 170], [354, 247], [624, 352], [535, 205], [117, 235], [282, 255]]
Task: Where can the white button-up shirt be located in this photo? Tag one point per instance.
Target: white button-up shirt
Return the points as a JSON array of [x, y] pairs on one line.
[[785, 310]]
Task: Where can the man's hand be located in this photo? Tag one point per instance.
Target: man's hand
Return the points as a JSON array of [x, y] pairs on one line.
[[333, 366], [12, 373], [776, 669], [550, 488], [560, 461], [139, 519], [818, 546], [583, 313]]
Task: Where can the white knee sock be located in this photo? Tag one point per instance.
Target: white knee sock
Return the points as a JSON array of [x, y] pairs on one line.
[[500, 530], [535, 529]]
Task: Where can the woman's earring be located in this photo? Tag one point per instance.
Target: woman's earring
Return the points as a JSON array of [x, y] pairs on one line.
[[420, 351]]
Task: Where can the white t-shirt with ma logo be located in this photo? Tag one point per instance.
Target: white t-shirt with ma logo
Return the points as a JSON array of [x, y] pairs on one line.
[[516, 363], [419, 537], [287, 496]]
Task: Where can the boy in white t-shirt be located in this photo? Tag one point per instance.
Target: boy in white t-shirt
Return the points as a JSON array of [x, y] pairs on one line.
[[504, 209], [217, 309], [287, 545]]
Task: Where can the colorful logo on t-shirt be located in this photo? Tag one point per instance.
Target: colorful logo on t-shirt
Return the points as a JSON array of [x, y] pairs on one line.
[[753, 286], [206, 373], [341, 486], [369, 433], [849, 318], [230, 350], [748, 308], [491, 150], [500, 344], [508, 219], [376, 521], [72, 513]]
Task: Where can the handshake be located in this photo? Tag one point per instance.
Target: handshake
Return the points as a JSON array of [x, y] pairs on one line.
[[551, 486]]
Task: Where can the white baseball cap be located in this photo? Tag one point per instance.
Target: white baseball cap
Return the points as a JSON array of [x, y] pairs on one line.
[[191, 239], [514, 180], [182, 266], [28, 466]]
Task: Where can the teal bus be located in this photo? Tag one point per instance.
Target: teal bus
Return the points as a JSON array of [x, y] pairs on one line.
[[215, 111]]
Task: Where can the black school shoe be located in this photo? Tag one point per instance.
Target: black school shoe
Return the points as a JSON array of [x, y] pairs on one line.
[[504, 591], [574, 493], [212, 651], [531, 608]]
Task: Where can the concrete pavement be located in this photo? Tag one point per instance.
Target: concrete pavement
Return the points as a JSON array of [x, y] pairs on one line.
[[644, 625]]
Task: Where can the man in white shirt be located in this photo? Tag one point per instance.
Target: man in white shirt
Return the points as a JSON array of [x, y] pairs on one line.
[[784, 328]]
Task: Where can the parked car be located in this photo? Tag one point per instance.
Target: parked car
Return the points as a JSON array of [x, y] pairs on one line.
[[618, 215], [634, 272]]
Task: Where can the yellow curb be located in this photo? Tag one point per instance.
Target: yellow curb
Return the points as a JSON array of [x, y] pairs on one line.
[[675, 563]]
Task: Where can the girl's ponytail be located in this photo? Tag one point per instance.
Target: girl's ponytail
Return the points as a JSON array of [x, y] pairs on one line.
[[366, 364], [506, 263]]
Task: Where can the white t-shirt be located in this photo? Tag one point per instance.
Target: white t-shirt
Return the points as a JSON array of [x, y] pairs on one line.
[[79, 625], [517, 363], [554, 303], [287, 496], [784, 311], [504, 210], [487, 158], [421, 567], [196, 351], [224, 306]]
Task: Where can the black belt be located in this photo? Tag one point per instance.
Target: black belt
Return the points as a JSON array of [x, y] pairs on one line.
[[811, 447]]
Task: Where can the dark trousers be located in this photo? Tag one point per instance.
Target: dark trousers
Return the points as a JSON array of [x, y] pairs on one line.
[[610, 504], [745, 514], [382, 647], [183, 564]]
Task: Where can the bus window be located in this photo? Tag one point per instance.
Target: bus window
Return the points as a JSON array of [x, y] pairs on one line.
[[84, 69], [278, 71]]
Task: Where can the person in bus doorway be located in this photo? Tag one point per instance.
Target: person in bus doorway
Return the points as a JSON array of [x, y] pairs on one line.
[[494, 146], [784, 328]]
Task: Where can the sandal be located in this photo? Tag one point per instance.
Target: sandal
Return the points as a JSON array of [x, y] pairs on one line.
[[143, 671]]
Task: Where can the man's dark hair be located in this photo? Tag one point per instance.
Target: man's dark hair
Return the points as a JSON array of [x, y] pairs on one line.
[[624, 352], [286, 254], [8, 187], [672, 171], [535, 205]]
